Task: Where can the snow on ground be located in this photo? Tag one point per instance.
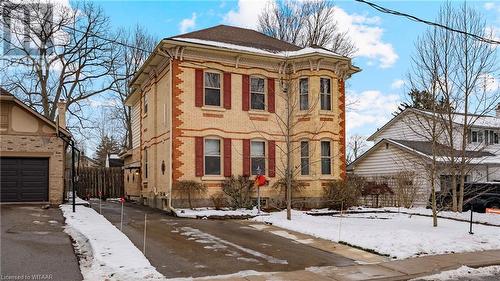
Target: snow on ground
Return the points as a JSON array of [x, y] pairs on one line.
[[397, 235], [492, 219], [106, 253], [236, 276], [464, 273], [208, 212]]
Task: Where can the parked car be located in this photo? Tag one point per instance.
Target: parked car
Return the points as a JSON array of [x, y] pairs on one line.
[[480, 195]]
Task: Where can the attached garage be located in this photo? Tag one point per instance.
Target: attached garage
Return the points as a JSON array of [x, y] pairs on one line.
[[24, 179], [32, 155]]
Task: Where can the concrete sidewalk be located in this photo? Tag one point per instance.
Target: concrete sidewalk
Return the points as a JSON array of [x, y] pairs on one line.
[[388, 271]]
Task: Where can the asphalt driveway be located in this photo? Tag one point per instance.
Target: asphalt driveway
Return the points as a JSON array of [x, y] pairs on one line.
[[180, 247], [33, 245]]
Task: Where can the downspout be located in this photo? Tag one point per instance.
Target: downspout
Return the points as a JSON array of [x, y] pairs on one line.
[[170, 207]]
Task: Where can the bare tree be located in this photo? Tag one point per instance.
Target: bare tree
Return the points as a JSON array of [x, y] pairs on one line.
[[307, 23], [355, 147], [59, 52], [137, 46]]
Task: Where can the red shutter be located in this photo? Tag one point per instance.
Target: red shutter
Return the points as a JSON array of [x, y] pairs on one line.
[[272, 158], [198, 147], [227, 158], [246, 93], [270, 95], [227, 90], [246, 157], [198, 89]]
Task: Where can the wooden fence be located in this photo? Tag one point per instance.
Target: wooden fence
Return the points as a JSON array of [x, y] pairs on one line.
[[95, 182]]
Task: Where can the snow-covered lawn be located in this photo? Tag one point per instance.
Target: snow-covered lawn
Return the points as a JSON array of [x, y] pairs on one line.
[[105, 252], [209, 212], [397, 235], [465, 273]]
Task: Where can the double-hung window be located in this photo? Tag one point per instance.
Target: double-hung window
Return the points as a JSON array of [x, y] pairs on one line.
[[304, 93], [257, 93], [258, 157], [145, 104], [212, 157], [325, 94], [474, 136], [212, 89], [304, 158], [326, 162]]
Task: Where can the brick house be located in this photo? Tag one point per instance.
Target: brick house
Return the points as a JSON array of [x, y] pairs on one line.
[[207, 104], [31, 154]]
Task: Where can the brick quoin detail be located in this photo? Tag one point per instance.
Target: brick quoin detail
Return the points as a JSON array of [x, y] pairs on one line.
[[342, 129], [177, 153]]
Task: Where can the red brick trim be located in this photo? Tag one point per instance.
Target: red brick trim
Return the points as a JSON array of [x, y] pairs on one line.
[[342, 128], [177, 153]]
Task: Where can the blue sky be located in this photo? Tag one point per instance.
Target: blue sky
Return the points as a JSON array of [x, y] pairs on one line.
[[385, 42]]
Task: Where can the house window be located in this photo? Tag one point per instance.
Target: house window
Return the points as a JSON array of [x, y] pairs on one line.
[[325, 94], [212, 88], [495, 137], [480, 136], [304, 158], [145, 163], [304, 93], [474, 136], [492, 137], [212, 157], [145, 103], [257, 93], [258, 157], [326, 163]]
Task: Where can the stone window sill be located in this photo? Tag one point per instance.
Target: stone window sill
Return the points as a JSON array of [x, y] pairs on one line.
[[213, 178], [213, 108]]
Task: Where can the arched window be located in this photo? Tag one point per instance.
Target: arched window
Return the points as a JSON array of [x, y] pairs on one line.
[[257, 93], [326, 157], [304, 158], [304, 93], [212, 156], [258, 157], [212, 85], [325, 93]]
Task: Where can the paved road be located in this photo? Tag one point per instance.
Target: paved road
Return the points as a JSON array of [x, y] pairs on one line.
[[180, 247], [33, 243]]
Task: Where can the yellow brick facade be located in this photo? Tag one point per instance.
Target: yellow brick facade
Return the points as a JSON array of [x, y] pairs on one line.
[[169, 89]]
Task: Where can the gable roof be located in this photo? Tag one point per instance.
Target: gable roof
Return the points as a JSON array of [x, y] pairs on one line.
[[425, 147], [7, 96], [241, 37], [483, 121]]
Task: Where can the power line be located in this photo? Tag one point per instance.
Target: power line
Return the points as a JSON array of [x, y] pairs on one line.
[[417, 19]]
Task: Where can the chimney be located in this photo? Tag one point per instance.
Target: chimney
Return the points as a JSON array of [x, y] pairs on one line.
[[61, 113], [498, 110]]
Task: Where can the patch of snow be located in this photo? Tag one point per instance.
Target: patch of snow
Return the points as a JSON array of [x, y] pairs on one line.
[[464, 272], [208, 212], [219, 243], [107, 254], [284, 54], [237, 275], [489, 218], [397, 235]]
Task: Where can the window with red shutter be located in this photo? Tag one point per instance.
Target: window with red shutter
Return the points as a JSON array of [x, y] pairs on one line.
[[227, 157], [270, 95], [198, 162], [272, 158], [198, 88], [245, 93], [227, 90], [246, 157]]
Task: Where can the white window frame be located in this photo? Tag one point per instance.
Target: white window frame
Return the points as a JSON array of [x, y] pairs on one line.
[[306, 94], [205, 155], [264, 93], [252, 156], [221, 82], [329, 157], [308, 157], [321, 94]]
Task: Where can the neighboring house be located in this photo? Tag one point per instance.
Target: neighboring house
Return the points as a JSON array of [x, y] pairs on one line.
[[403, 145], [32, 154], [204, 108], [87, 162], [131, 173], [113, 160]]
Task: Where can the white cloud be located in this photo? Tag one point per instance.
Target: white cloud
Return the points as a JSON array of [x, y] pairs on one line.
[[370, 107], [367, 35], [247, 13], [187, 23], [489, 6], [397, 84]]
